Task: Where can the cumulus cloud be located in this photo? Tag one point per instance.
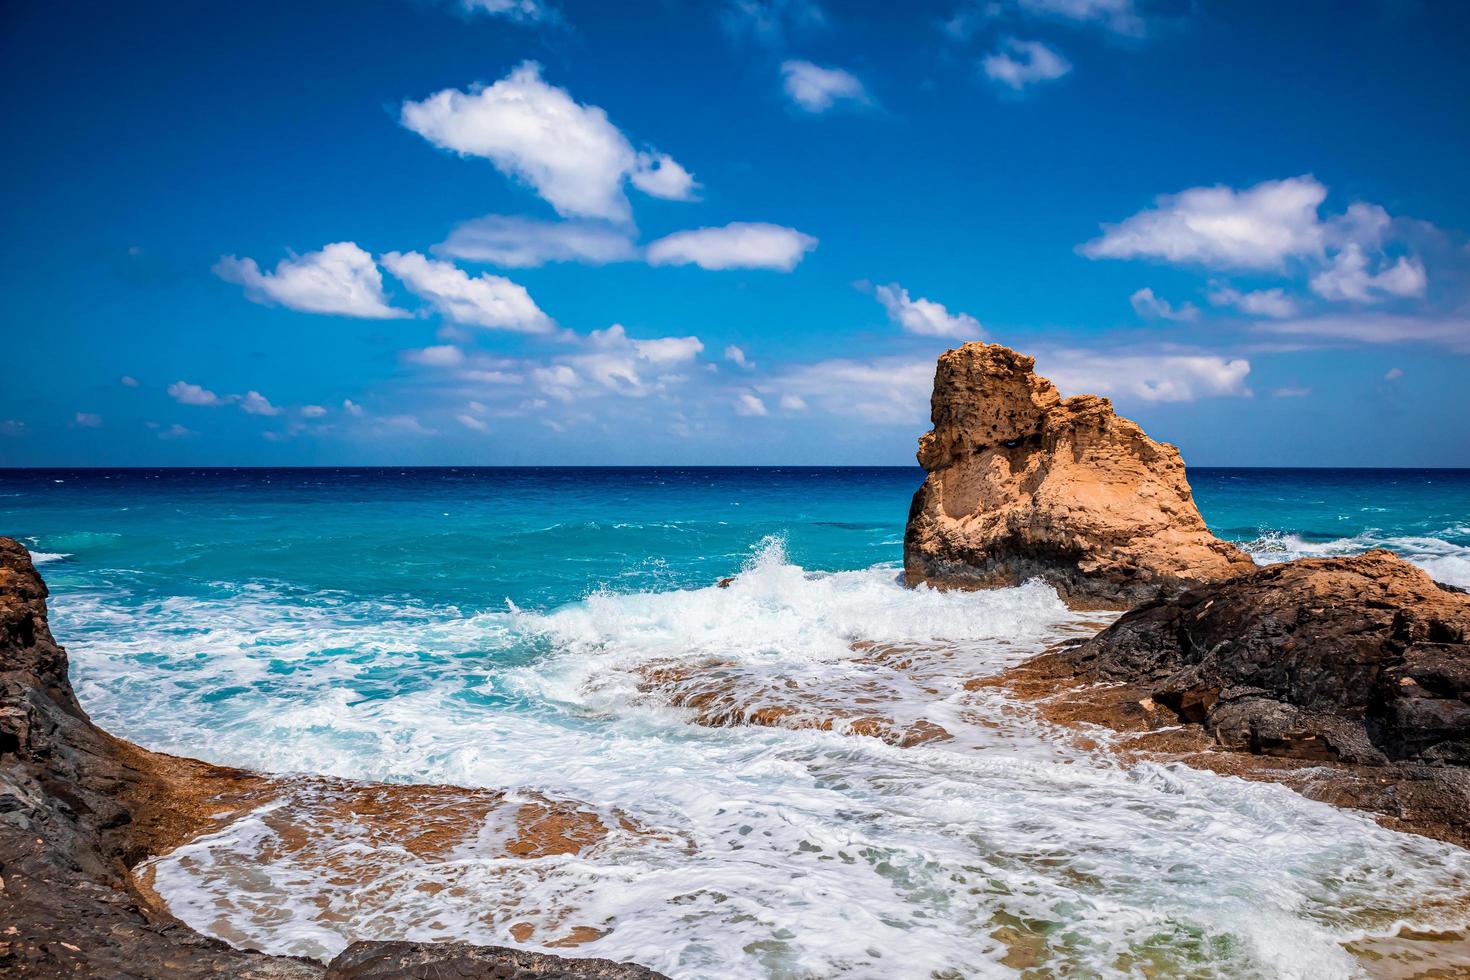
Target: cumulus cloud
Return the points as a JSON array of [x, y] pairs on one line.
[[128, 381], [749, 404], [1256, 228], [1018, 64], [1291, 392], [88, 420], [1393, 374], [470, 422], [569, 153], [737, 356], [1260, 302], [660, 175], [1146, 376], [522, 242], [254, 403], [352, 408], [793, 403], [443, 355], [191, 394], [1348, 278], [489, 301], [926, 317], [340, 279], [1146, 304], [176, 431], [817, 89], [739, 245], [313, 411], [1119, 16]]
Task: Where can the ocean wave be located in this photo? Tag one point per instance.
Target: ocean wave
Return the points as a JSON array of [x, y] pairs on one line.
[[1445, 561], [42, 557], [773, 851]]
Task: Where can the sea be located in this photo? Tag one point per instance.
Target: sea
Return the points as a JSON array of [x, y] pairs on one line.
[[557, 635]]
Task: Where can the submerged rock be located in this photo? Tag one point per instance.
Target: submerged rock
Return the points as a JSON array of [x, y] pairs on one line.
[[1023, 483], [80, 808], [1363, 660]]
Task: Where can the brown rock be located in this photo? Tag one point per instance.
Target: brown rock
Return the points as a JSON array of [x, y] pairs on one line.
[[1024, 483]]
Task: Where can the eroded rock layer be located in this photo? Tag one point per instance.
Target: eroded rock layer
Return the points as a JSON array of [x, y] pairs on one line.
[[1023, 483]]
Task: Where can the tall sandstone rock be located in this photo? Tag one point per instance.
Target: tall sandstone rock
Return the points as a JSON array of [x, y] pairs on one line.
[[1026, 484]]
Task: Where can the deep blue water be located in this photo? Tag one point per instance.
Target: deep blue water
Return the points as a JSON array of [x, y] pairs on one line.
[[546, 536]]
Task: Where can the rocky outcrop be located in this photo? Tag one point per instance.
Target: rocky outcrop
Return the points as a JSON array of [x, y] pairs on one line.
[[1364, 660], [1023, 483], [79, 808]]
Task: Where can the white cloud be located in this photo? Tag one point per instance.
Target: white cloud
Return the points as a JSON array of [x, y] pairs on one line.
[[926, 317], [1348, 278], [1291, 392], [443, 355], [522, 242], [659, 175], [313, 411], [176, 431], [470, 422], [793, 403], [254, 403], [404, 424], [352, 408], [1146, 304], [489, 301], [749, 404], [737, 356], [1256, 228], [128, 381], [739, 245], [1020, 63], [569, 153], [191, 394], [88, 420], [1378, 328], [340, 279], [817, 89], [1146, 376], [1260, 302], [1393, 374], [525, 11], [557, 381]]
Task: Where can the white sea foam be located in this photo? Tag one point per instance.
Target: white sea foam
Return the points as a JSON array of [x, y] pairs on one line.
[[1444, 561], [42, 557], [786, 853]]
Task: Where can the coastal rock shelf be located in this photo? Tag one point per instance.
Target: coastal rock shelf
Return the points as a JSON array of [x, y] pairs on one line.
[[79, 809], [1023, 483]]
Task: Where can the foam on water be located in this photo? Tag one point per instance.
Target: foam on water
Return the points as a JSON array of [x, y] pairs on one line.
[[1443, 560], [771, 851]]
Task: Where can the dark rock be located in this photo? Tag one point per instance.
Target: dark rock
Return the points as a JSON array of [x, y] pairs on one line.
[[458, 961], [1362, 659], [79, 808]]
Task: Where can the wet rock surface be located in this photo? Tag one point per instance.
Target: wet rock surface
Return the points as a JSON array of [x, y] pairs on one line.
[[1023, 483], [1346, 678], [80, 808]]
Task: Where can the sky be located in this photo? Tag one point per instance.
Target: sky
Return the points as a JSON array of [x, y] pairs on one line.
[[512, 232]]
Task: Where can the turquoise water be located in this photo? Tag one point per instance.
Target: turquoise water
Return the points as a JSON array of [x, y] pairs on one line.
[[504, 629]]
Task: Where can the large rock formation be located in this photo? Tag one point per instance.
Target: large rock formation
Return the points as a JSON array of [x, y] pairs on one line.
[[1026, 484], [1363, 659], [79, 808]]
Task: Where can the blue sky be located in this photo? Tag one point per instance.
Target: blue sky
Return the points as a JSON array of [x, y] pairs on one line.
[[543, 231]]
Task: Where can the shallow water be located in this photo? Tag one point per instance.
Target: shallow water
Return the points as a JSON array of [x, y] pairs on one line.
[[530, 632]]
